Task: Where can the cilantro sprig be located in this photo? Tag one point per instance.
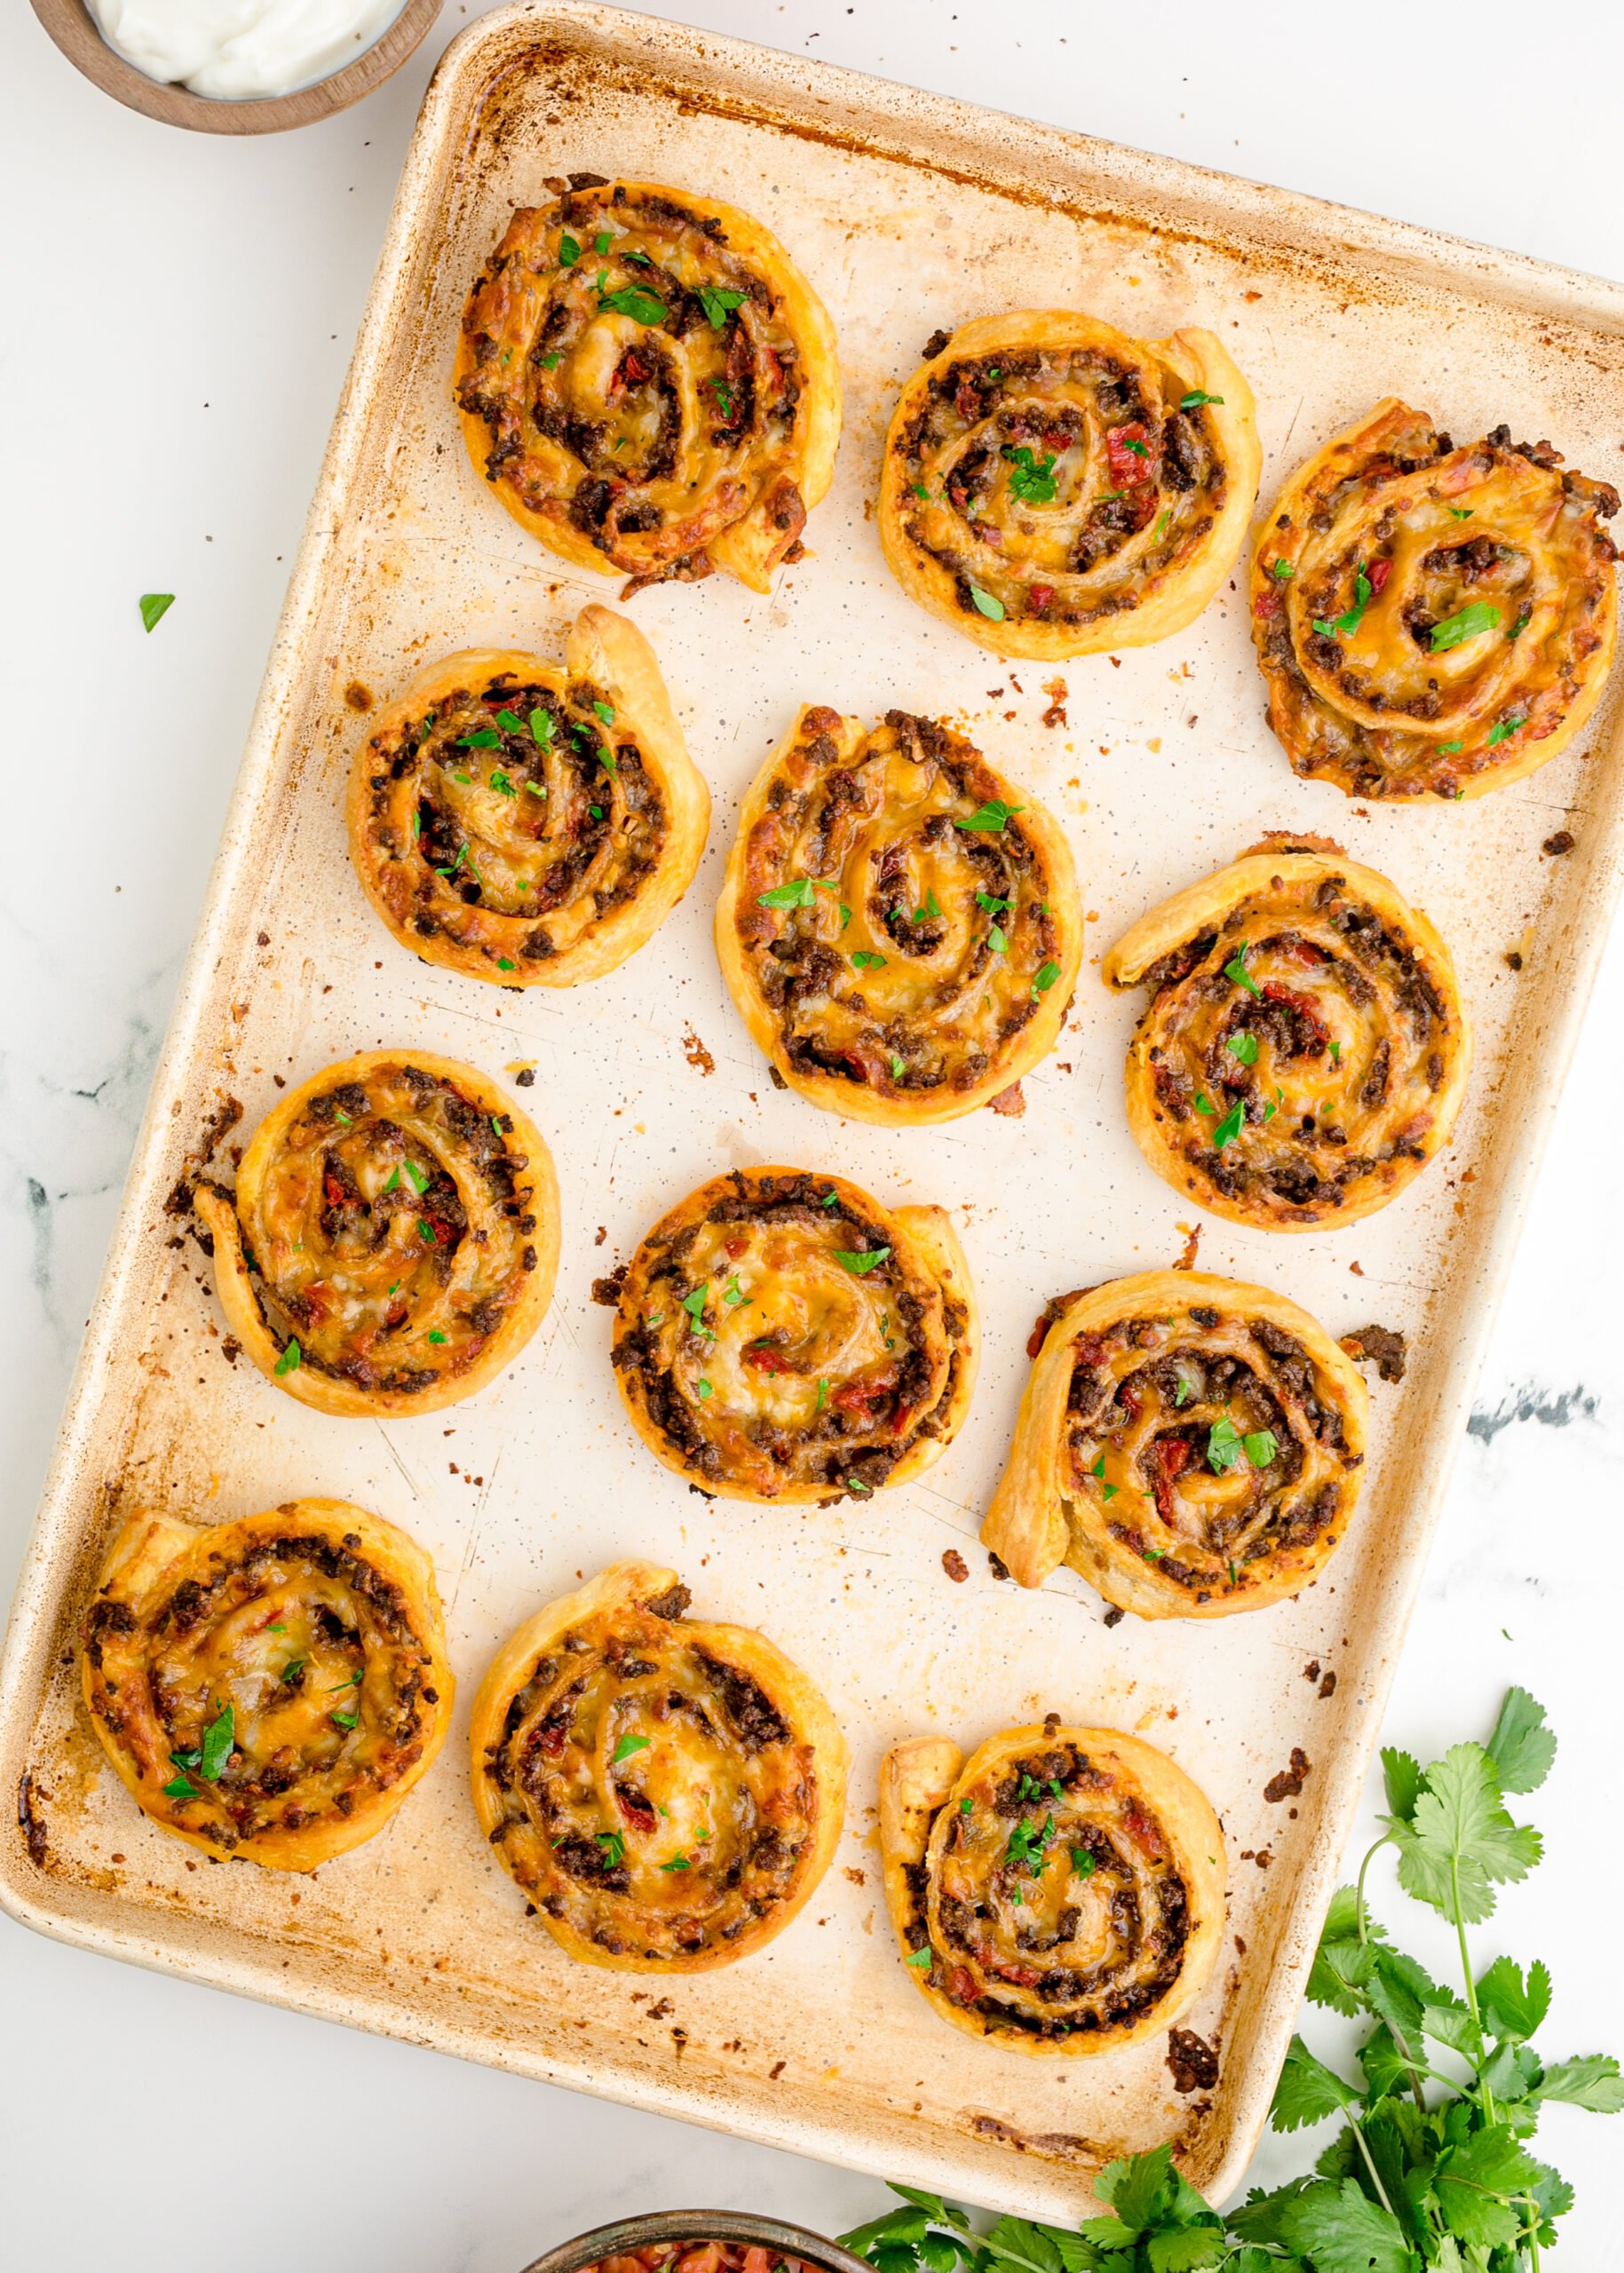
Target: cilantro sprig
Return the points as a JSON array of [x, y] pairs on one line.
[[1431, 2167]]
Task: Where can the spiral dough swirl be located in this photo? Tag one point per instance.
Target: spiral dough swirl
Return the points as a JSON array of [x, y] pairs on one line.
[[1432, 621], [1190, 1445], [900, 927], [269, 1688], [667, 1792], [649, 384], [782, 1336], [393, 1237], [1052, 488], [1061, 1892], [1305, 1050]]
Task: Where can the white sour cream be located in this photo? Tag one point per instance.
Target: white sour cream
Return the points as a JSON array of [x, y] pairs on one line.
[[241, 49]]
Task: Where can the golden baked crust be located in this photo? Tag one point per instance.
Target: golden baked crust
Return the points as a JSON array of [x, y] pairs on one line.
[[1052, 488], [782, 1337], [1190, 1445], [649, 384], [270, 1688], [667, 1792], [525, 823], [1061, 1892], [899, 926], [1305, 1050], [393, 1238], [1432, 621]]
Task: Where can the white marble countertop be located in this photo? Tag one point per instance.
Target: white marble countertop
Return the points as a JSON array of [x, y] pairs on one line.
[[165, 412]]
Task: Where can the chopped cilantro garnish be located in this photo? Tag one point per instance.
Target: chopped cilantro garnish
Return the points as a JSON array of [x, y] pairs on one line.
[[991, 816], [986, 603], [858, 1264], [288, 1362], [1482, 616], [627, 1745]]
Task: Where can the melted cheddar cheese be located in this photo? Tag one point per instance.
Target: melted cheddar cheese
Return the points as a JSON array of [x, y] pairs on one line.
[[1062, 1891], [1190, 1445], [780, 1337], [649, 384], [900, 926], [1432, 621], [393, 1238], [272, 1688], [667, 1792], [1305, 1050]]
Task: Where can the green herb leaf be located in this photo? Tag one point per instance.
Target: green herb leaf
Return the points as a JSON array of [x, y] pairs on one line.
[[1283, 570], [1225, 1448], [612, 1845], [181, 1787], [1482, 616], [502, 783], [859, 1265], [718, 304], [1503, 729], [988, 604], [1460, 1844], [704, 1389], [989, 905], [921, 1960], [1592, 2081], [1195, 397], [1522, 1747], [154, 606], [1308, 2091], [543, 727], [1032, 478], [1084, 1863], [569, 251], [864, 960], [1261, 1444], [288, 1362], [997, 939], [435, 1334], [1044, 978], [1459, 512], [636, 301], [990, 817], [220, 1738], [795, 894], [1231, 1125], [1242, 1047], [898, 1068], [1236, 969], [627, 1745]]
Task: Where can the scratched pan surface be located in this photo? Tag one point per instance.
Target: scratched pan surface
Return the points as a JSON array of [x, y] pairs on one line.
[[908, 213]]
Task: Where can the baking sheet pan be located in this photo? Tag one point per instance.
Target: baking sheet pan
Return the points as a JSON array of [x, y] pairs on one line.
[[908, 212]]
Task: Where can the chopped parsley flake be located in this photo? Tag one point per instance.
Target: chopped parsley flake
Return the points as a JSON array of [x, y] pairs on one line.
[[858, 1264], [989, 604], [627, 1745], [991, 817], [288, 1362], [1482, 616]]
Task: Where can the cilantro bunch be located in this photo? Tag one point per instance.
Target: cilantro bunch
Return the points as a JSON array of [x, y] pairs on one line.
[[1432, 2168]]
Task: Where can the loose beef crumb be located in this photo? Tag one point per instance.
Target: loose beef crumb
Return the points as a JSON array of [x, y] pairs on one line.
[[1556, 845], [1193, 2063], [955, 1565], [1380, 1346], [1288, 1784]]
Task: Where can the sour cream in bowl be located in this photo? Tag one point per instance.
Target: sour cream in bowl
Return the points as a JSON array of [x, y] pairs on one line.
[[242, 50]]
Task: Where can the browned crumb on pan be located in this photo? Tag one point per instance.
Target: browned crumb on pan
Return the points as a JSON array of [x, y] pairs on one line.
[[607, 1291], [1187, 1252], [1057, 692], [955, 1565], [1010, 1102], [1192, 2060], [1382, 1346], [694, 1050], [30, 1820], [1556, 845], [1288, 1784]]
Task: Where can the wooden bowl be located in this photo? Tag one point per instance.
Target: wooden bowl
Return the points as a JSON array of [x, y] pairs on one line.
[[72, 27]]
